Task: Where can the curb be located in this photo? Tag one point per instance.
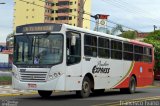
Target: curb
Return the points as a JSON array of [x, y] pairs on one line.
[[18, 94], [156, 84]]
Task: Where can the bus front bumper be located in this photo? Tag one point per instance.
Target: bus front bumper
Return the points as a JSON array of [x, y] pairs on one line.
[[55, 84]]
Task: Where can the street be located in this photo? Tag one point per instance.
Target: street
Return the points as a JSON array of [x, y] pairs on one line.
[[109, 98]]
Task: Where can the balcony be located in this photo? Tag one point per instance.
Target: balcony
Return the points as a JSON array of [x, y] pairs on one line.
[[48, 7], [47, 21], [61, 21], [48, 14], [63, 0], [64, 6], [62, 14]]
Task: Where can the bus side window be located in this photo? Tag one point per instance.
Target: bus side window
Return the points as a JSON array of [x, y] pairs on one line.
[[138, 53], [90, 45], [73, 48]]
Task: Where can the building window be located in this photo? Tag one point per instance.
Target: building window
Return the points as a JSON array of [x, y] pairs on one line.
[[52, 11], [71, 3], [56, 18], [70, 18]]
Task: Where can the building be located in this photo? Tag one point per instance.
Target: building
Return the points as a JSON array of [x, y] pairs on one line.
[[141, 35], [52, 11]]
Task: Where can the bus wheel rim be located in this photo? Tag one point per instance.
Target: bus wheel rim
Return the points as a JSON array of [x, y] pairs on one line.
[[85, 87], [132, 86]]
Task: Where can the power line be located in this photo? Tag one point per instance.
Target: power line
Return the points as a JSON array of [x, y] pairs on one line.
[[110, 21], [119, 4]]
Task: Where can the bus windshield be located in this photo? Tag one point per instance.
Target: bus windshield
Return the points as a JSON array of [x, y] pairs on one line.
[[38, 49]]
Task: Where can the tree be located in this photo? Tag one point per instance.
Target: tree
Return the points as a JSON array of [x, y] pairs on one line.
[[116, 29], [154, 39], [9, 40], [129, 34]]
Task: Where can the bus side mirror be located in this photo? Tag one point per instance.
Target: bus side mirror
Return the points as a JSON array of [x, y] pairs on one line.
[[73, 40]]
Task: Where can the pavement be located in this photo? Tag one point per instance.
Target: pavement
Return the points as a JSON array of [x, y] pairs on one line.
[[6, 90], [156, 83]]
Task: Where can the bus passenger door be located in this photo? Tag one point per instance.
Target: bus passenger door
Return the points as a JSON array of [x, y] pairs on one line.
[[73, 60]]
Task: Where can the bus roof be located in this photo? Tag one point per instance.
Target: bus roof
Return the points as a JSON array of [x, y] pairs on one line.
[[39, 27], [105, 35]]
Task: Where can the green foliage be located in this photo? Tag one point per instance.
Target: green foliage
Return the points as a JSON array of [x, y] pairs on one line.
[[129, 34], [116, 29], [5, 78], [154, 39]]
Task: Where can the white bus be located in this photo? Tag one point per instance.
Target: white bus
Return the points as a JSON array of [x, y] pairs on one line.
[[58, 57]]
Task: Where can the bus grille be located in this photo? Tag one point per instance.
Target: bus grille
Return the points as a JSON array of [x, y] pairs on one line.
[[29, 76]]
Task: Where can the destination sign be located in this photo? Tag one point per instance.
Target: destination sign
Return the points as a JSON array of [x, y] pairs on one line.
[[43, 27]]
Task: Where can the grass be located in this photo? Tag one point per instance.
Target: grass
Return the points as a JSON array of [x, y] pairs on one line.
[[5, 78]]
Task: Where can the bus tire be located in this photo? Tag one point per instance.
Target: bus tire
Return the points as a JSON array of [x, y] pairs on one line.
[[86, 88], [132, 87], [44, 94]]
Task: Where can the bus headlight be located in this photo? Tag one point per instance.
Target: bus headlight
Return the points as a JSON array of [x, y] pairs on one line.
[[54, 75]]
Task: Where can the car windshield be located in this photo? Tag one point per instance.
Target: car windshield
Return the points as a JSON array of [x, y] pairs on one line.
[[38, 49]]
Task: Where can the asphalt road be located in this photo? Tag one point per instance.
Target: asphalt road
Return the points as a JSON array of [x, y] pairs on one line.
[[143, 96]]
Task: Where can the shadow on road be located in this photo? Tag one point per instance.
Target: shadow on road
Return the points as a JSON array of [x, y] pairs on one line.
[[71, 95]]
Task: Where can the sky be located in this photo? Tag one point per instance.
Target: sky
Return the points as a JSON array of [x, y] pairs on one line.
[[140, 15]]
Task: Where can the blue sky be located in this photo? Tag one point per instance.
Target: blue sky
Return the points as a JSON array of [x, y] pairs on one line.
[[6, 19], [137, 14]]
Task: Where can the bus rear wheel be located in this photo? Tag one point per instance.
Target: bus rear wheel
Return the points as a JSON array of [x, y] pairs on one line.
[[132, 87], [86, 88], [44, 94]]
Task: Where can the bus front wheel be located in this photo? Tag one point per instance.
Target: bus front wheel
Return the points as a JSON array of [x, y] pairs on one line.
[[132, 86], [86, 88], [44, 94]]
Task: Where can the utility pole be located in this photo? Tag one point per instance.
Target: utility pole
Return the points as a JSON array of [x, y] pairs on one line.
[[81, 12], [154, 26]]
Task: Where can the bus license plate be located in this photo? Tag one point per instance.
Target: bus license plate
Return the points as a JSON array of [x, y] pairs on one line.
[[32, 86]]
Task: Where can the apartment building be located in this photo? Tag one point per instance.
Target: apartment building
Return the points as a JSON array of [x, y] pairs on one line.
[[52, 11]]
